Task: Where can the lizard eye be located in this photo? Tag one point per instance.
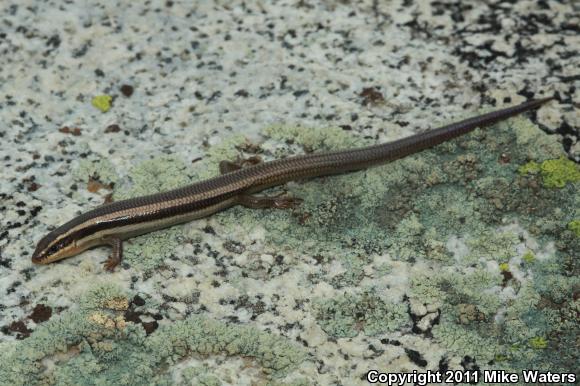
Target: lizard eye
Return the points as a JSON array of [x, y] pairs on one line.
[[53, 249]]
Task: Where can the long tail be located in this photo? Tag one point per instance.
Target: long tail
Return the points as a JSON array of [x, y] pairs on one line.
[[400, 148], [342, 161]]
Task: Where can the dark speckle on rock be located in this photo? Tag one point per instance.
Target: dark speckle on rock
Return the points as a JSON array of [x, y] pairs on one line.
[[18, 327], [54, 41], [371, 96], [242, 93], [300, 93], [234, 246], [416, 357], [113, 128], [68, 130], [209, 230], [4, 262], [127, 90], [214, 96], [41, 313], [150, 327]]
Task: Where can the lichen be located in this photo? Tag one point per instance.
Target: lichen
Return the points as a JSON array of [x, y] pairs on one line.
[[104, 296], [294, 382], [330, 138], [538, 343], [353, 271], [527, 299], [97, 169], [557, 287], [87, 351], [529, 257], [199, 376], [531, 167], [480, 288], [556, 173], [153, 176], [202, 335], [469, 307], [102, 102], [493, 245], [150, 251], [408, 232], [425, 289], [531, 142], [464, 342], [347, 315], [574, 226]]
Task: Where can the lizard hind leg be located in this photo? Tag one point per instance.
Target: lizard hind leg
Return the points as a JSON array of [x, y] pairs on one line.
[[254, 201], [276, 202], [229, 166]]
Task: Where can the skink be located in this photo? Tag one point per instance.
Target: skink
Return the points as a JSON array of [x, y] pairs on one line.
[[112, 223]]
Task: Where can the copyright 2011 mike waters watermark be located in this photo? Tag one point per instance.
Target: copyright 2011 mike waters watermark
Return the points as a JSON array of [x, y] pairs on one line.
[[462, 376]]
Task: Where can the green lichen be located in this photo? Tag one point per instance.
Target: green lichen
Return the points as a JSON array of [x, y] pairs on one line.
[[153, 176], [504, 267], [531, 142], [103, 296], [518, 335], [347, 315], [425, 289], [493, 245], [93, 344], [472, 320], [353, 267], [479, 288], [199, 376], [462, 341], [556, 173], [383, 269], [557, 287], [527, 299], [149, 252], [538, 343], [294, 382], [201, 335], [529, 257], [500, 358], [409, 231], [515, 331], [20, 363], [102, 102], [101, 170], [330, 138], [208, 380], [574, 226], [531, 167], [469, 305]]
